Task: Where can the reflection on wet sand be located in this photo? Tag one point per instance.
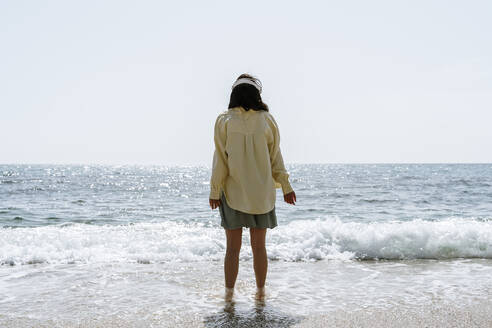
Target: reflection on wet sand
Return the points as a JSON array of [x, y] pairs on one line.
[[262, 315]]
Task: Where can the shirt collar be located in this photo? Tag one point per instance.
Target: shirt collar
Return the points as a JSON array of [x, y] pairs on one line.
[[240, 109]]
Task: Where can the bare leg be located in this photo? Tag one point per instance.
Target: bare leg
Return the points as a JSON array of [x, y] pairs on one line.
[[231, 261], [260, 260]]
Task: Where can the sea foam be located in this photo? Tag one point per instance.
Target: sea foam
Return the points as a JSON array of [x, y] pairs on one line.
[[301, 240]]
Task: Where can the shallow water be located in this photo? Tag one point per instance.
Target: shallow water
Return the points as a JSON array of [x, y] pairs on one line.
[[152, 293]]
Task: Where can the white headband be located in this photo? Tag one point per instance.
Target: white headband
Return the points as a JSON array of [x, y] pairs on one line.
[[247, 81]]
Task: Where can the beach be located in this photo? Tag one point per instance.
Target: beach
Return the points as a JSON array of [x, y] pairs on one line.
[[336, 293]]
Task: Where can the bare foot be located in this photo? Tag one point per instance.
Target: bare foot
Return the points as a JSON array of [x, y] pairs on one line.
[[260, 293], [229, 293]]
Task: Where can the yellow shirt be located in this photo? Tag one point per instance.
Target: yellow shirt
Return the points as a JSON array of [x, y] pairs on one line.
[[247, 162]]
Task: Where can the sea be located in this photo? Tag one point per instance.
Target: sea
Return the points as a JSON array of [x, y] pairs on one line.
[[138, 245]]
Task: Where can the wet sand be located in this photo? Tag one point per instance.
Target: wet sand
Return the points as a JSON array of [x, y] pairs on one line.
[[436, 315]]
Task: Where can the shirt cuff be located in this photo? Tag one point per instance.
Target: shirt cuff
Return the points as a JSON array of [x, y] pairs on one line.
[[286, 187], [214, 193]]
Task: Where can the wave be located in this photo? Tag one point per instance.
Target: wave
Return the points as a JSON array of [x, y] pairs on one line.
[[301, 240], [394, 240]]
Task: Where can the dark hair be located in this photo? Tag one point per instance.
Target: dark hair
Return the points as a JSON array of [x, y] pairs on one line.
[[247, 95]]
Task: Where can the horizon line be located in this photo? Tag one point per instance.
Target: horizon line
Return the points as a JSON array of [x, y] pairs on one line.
[[209, 165]]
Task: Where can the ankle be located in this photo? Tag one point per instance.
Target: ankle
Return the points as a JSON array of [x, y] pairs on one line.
[[229, 294], [260, 293]]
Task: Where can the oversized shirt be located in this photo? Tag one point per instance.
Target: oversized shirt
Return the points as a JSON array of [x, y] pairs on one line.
[[247, 162]]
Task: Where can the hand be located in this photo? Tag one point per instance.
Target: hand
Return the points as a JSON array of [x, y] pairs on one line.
[[290, 198], [214, 203]]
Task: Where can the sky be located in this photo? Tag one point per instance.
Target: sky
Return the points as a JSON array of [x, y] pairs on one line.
[[142, 82]]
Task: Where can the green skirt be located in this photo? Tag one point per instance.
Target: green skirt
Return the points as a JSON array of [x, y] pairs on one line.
[[233, 219]]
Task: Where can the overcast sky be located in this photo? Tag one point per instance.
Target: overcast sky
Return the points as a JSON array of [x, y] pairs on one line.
[[142, 82]]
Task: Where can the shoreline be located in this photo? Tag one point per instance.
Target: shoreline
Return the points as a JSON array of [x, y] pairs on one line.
[[419, 293]]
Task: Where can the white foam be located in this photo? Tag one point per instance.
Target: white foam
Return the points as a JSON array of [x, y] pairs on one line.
[[302, 240], [332, 238]]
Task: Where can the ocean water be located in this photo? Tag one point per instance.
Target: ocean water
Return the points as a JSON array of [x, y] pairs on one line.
[[140, 244]]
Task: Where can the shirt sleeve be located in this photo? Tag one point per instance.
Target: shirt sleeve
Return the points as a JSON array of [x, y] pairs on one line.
[[279, 173], [220, 169]]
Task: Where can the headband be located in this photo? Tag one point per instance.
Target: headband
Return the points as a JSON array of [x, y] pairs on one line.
[[247, 81]]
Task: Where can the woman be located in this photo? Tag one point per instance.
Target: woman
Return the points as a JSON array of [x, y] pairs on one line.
[[247, 168]]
